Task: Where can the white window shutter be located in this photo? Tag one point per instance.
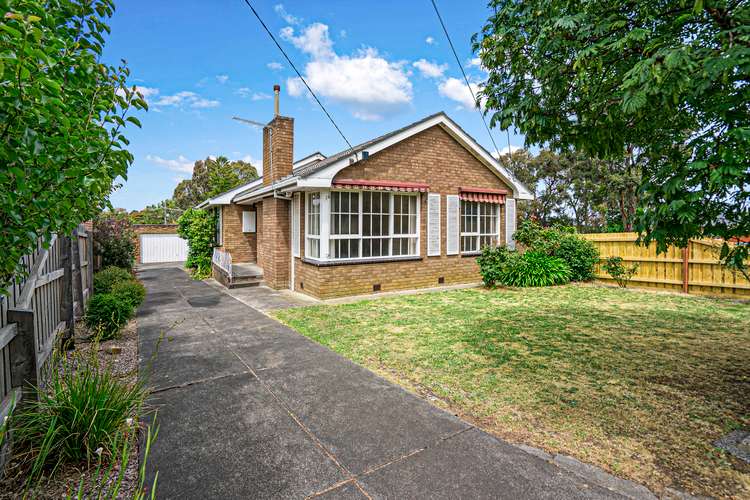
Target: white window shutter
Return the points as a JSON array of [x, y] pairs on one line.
[[295, 225], [510, 222], [433, 224], [248, 221], [451, 225]]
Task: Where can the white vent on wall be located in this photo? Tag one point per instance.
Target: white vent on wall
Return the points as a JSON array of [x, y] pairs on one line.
[[451, 225], [433, 224], [248, 221]]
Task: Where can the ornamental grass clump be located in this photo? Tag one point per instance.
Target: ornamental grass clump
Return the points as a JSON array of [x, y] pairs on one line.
[[534, 269], [82, 414]]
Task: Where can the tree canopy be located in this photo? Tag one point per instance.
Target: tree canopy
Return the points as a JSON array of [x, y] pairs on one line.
[[62, 117], [662, 85], [211, 177]]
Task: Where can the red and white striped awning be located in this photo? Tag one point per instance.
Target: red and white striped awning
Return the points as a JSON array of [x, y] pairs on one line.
[[484, 195], [413, 187]]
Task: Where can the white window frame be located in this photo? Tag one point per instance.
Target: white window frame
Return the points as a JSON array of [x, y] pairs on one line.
[[308, 236], [478, 234], [219, 235], [326, 238]]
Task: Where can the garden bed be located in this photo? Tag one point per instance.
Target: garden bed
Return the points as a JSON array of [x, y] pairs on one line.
[[639, 383], [121, 354]]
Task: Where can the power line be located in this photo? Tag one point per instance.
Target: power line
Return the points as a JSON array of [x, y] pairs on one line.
[[298, 73], [466, 79]]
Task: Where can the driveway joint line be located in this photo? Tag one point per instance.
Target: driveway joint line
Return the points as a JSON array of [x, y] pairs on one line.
[[294, 417], [199, 381]]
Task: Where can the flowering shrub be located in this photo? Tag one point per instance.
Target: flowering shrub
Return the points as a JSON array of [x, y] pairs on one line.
[[114, 240]]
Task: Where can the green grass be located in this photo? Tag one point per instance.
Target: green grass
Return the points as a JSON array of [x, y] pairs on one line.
[[639, 383]]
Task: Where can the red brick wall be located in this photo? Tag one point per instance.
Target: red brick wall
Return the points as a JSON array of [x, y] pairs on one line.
[[242, 246], [140, 229], [280, 147], [274, 246], [432, 157]]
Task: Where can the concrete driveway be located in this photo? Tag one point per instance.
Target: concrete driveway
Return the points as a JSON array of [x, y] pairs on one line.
[[248, 408]]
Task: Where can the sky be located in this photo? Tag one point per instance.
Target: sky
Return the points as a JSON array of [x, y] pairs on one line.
[[376, 65]]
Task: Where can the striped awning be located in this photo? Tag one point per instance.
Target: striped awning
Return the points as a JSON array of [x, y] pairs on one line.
[[413, 187], [484, 195]]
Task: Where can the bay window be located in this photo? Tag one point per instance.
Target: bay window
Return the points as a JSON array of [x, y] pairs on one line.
[[362, 225], [479, 225]]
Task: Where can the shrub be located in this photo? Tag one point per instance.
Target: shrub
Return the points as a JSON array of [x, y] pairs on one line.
[[563, 242], [615, 267], [114, 240], [108, 277], [107, 313], [81, 414], [491, 263], [580, 255], [131, 291], [534, 269], [198, 228]]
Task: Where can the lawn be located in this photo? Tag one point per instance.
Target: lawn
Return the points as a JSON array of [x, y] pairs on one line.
[[639, 383]]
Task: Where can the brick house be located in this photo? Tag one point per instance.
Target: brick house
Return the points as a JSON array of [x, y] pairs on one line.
[[410, 209]]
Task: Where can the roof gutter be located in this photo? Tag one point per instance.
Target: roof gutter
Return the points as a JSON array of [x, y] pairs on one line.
[[264, 191]]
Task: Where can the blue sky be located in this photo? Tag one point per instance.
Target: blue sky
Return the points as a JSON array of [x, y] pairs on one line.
[[376, 65]]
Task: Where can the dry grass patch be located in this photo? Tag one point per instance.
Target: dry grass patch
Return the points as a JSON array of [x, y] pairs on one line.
[[638, 383]]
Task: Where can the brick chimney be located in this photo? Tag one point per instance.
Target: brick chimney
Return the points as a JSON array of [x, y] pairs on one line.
[[278, 144]]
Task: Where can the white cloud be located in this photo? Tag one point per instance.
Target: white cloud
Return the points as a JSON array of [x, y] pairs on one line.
[[456, 90], [369, 85], [186, 98], [343, 34], [275, 66], [180, 164], [146, 92], [429, 40], [222, 79], [248, 93], [430, 69], [287, 17], [504, 151]]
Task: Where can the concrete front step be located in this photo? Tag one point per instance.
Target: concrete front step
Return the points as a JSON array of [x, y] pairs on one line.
[[245, 281]]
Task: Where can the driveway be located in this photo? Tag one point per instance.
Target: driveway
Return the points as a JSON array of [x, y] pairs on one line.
[[248, 408]]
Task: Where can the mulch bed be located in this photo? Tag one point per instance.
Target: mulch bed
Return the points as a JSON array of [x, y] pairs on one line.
[[121, 355]]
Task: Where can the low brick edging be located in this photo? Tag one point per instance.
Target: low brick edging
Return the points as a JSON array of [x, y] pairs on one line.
[[140, 229]]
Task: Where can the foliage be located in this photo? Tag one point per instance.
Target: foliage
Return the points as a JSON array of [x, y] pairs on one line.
[[164, 212], [114, 239], [107, 313], [108, 277], [212, 177], [62, 116], [615, 267], [534, 269], [660, 85], [82, 413], [131, 291], [491, 263], [579, 254], [198, 228]]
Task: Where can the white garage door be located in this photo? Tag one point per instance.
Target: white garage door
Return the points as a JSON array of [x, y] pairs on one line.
[[163, 248]]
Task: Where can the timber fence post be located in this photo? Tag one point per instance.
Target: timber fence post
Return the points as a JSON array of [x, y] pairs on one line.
[[24, 371]]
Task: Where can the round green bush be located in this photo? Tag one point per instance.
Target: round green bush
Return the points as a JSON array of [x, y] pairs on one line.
[[534, 269], [131, 291], [491, 263], [105, 279], [107, 313], [580, 255]]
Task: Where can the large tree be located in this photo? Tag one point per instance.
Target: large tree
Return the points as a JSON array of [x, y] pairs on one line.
[[661, 86], [211, 177], [62, 115]]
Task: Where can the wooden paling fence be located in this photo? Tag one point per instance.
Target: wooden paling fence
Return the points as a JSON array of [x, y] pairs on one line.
[[695, 269], [41, 303]]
